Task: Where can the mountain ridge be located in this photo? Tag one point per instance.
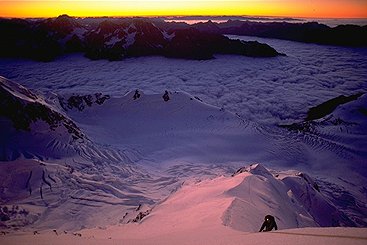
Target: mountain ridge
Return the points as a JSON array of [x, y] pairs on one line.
[[116, 39]]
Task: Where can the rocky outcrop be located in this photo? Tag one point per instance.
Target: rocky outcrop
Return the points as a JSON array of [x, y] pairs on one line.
[[80, 102], [321, 115], [329, 106], [23, 108]]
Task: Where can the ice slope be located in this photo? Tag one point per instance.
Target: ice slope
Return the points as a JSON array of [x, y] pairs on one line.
[[183, 128], [140, 150], [53, 175], [222, 210], [35, 126], [343, 130], [294, 197], [73, 194], [187, 130], [239, 202]]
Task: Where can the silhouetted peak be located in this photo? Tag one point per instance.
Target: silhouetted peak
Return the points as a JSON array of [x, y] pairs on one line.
[[63, 16], [66, 20]]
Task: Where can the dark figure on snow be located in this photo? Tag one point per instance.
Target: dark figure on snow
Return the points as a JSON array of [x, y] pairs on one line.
[[136, 95], [165, 96], [269, 224]]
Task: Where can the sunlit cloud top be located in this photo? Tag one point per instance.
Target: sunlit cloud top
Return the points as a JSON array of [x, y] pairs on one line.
[[290, 8]]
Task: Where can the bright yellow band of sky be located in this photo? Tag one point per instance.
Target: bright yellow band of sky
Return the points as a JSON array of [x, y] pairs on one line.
[[290, 8]]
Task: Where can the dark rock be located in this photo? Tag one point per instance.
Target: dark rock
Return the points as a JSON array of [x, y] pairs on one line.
[[22, 112], [138, 208], [74, 44], [100, 99], [207, 27], [4, 217], [20, 38], [149, 39], [329, 106], [310, 125], [140, 216], [95, 40], [59, 27], [80, 102], [136, 95], [188, 44], [193, 44], [165, 96]]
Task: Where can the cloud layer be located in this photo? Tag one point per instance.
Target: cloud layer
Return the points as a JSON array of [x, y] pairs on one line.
[[265, 90]]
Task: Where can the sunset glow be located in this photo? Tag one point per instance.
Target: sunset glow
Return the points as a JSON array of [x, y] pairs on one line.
[[290, 8]]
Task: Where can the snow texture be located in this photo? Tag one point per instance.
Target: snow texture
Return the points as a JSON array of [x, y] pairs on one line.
[[147, 146], [168, 165]]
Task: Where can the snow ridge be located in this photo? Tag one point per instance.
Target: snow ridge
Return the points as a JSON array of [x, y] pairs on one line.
[[291, 198], [138, 149]]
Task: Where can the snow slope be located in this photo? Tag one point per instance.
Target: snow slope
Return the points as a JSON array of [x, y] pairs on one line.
[[182, 128], [204, 213], [138, 151], [239, 202], [304, 236]]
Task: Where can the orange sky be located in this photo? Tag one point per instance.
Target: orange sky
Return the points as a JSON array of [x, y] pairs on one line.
[[292, 8]]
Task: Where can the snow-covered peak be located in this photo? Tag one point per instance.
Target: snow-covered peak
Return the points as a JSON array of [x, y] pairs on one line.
[[256, 169], [260, 195], [241, 203]]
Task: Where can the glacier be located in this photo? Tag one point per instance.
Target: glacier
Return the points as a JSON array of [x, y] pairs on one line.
[[215, 158], [133, 151]]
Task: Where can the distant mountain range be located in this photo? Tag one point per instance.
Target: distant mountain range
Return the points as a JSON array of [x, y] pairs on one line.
[[310, 32], [117, 38]]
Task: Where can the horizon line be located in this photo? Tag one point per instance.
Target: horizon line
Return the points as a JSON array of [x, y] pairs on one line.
[[179, 16]]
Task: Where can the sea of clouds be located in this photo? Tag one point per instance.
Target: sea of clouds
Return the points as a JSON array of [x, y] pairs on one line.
[[265, 90]]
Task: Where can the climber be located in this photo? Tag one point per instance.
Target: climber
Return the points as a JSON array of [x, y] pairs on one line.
[[269, 224]]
